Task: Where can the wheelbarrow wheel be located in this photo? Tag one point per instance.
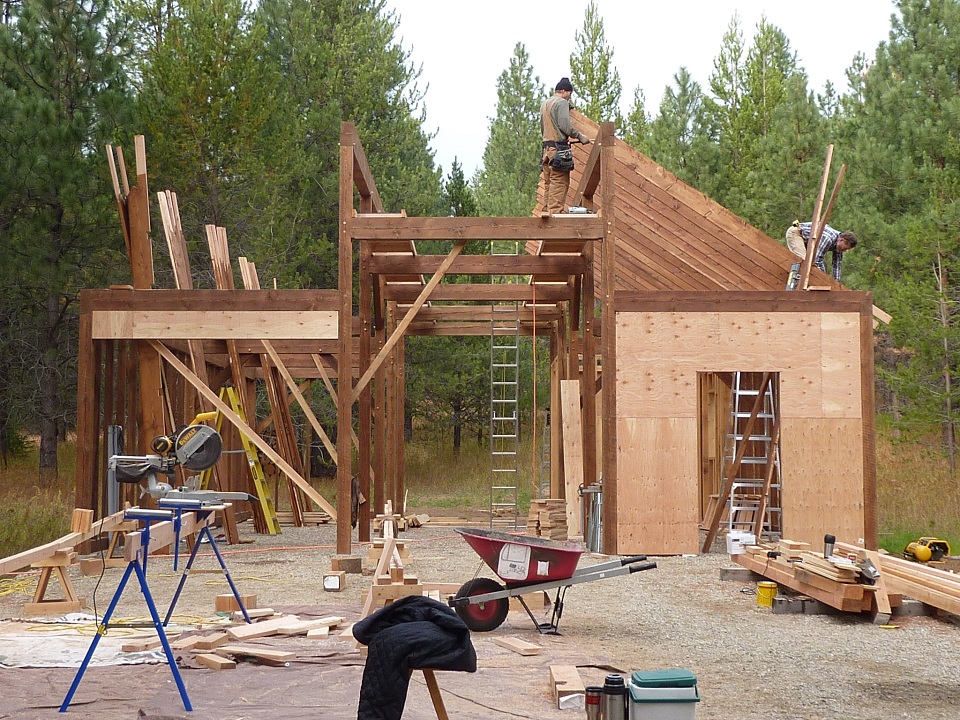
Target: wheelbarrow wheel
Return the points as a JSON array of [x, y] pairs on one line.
[[484, 616]]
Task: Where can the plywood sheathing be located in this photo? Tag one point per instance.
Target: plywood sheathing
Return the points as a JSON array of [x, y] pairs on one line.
[[815, 343]]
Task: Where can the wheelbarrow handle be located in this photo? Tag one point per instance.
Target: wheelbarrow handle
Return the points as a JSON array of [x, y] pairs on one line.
[[645, 566], [632, 560]]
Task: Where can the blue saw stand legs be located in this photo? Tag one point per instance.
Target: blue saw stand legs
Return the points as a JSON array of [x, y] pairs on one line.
[[132, 567], [205, 532], [138, 566]]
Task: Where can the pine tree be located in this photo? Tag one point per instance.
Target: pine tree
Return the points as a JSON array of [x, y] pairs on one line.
[[637, 131], [907, 175], [681, 135], [62, 89], [506, 186], [595, 80]]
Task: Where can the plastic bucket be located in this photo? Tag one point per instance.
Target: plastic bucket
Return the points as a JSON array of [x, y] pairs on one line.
[[766, 592]]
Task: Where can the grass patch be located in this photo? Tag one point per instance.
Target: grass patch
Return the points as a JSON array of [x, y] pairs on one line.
[[34, 510], [917, 495], [438, 477]]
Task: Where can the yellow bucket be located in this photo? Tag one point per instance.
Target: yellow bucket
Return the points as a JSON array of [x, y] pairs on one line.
[[766, 592]]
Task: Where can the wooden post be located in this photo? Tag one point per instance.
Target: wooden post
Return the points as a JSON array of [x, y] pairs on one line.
[[365, 434], [380, 432], [88, 413], [400, 485], [345, 353], [557, 362], [588, 380], [608, 265]]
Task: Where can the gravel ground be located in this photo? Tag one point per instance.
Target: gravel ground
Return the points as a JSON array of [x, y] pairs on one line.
[[750, 663]]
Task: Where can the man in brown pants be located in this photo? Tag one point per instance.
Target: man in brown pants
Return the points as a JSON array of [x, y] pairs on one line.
[[556, 127]]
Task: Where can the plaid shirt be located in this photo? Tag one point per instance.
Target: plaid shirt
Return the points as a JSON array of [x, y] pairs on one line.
[[828, 243]]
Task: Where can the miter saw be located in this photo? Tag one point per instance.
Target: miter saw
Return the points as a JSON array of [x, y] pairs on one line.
[[194, 447]]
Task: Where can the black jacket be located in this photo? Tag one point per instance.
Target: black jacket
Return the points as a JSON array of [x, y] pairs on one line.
[[412, 633]]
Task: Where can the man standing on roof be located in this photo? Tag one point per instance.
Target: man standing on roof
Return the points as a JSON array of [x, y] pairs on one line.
[[831, 240], [557, 128]]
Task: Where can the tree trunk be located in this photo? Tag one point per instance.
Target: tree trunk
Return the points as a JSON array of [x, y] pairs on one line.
[[49, 395]]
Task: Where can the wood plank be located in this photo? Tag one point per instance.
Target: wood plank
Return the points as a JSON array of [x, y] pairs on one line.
[[566, 681], [214, 324], [843, 597], [739, 301], [480, 292], [186, 300], [478, 264], [215, 662], [275, 658], [302, 627], [26, 558], [572, 452], [141, 645], [260, 629], [212, 641], [521, 647]]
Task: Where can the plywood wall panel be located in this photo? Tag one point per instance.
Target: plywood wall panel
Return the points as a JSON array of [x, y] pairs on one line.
[[660, 353], [840, 340], [658, 504], [822, 467]]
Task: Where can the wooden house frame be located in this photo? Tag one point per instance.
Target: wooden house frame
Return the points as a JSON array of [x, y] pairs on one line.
[[679, 291]]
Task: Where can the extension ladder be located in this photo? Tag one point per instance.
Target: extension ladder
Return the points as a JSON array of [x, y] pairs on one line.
[[504, 403]]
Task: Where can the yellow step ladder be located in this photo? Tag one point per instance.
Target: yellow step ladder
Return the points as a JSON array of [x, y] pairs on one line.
[[229, 393]]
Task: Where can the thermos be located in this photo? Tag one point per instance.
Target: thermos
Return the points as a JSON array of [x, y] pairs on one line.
[[828, 542], [614, 698], [593, 701]]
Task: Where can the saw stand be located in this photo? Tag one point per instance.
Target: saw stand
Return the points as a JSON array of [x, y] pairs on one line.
[[137, 565]]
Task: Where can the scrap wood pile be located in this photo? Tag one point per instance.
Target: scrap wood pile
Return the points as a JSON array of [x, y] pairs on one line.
[[843, 582]]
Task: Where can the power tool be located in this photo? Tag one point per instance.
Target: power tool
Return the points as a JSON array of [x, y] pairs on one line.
[[926, 549], [195, 447]]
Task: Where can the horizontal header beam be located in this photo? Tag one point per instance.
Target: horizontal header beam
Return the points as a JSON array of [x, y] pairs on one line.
[[479, 264], [482, 293], [560, 227]]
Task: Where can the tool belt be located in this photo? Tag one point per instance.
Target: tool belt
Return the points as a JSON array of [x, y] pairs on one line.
[[549, 143]]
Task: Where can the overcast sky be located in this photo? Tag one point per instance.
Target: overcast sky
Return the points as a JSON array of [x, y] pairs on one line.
[[462, 49]]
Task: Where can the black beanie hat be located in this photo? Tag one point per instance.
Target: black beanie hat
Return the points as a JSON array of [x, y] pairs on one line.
[[565, 85]]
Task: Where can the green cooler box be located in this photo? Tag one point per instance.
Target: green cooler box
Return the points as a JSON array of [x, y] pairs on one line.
[[663, 695]]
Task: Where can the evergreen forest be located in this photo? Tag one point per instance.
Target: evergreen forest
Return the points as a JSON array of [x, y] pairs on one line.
[[241, 104]]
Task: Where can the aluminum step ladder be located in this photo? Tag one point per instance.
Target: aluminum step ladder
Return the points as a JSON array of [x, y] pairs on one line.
[[754, 503]]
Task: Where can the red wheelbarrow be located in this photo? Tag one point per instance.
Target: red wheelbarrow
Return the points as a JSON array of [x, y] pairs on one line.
[[527, 564]]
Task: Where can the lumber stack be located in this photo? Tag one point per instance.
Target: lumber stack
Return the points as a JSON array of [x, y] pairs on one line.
[[809, 573], [548, 519], [930, 585]]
